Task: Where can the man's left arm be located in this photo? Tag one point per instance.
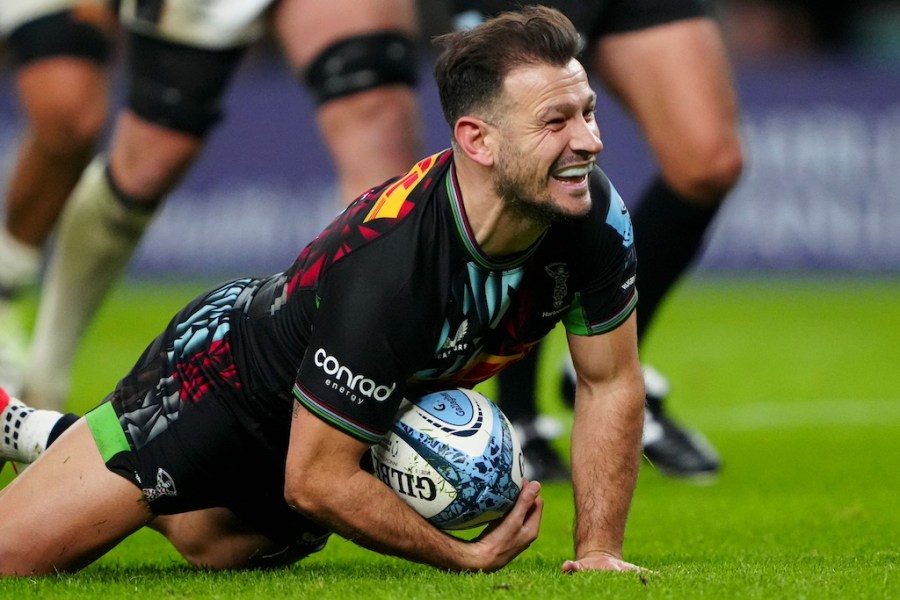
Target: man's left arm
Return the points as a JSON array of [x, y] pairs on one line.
[[606, 444]]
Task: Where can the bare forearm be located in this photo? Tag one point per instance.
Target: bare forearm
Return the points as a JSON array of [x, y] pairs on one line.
[[323, 480], [606, 446], [368, 513]]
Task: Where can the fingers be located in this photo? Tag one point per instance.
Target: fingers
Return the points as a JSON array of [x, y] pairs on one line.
[[533, 516], [605, 563], [532, 506], [570, 566], [525, 513], [508, 537], [524, 507], [530, 491]]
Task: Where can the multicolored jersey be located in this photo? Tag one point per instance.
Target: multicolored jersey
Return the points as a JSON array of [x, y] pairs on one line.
[[395, 298]]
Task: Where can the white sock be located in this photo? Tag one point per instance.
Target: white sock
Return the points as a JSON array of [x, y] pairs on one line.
[[25, 431], [97, 237], [20, 265]]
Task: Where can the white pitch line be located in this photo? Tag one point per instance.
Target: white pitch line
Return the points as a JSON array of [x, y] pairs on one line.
[[790, 414]]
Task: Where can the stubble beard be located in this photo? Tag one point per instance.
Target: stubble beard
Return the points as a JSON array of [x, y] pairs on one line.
[[526, 196]]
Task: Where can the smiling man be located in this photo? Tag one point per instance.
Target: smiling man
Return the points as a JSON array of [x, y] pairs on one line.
[[539, 123], [436, 279]]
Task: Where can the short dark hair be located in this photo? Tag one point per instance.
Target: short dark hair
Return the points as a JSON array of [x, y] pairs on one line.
[[473, 64]]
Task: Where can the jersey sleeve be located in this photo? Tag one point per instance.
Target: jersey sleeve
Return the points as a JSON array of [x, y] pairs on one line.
[[608, 295], [365, 338]]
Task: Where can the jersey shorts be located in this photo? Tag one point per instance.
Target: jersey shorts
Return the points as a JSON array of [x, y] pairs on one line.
[[168, 429], [189, 47], [593, 19], [15, 13], [212, 24]]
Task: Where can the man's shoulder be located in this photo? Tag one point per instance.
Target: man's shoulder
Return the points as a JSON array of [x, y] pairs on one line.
[[396, 198], [384, 230]]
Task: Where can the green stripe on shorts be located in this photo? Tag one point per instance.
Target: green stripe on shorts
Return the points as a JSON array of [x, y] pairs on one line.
[[107, 432]]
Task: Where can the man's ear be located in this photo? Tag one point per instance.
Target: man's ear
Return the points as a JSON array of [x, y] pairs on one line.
[[473, 136]]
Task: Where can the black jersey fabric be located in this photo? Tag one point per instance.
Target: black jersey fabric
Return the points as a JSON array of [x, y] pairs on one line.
[[395, 298]]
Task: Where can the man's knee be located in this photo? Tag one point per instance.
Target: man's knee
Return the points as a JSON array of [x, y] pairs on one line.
[[147, 161], [71, 130], [216, 540], [705, 174]]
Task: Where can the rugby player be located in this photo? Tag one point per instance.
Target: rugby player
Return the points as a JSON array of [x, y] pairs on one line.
[[240, 432]]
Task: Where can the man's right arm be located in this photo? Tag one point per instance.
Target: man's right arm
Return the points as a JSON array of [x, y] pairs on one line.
[[325, 482]]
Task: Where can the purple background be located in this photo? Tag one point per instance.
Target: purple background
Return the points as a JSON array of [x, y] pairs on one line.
[[820, 190]]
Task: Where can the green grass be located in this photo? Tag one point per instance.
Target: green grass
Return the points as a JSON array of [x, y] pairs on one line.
[[795, 382]]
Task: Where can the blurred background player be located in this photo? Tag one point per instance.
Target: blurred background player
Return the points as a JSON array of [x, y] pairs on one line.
[[666, 62], [356, 58], [60, 50]]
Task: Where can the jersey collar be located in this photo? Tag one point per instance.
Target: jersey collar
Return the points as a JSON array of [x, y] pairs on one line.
[[467, 236]]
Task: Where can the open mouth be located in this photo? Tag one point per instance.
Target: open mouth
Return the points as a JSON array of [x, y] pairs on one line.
[[574, 174]]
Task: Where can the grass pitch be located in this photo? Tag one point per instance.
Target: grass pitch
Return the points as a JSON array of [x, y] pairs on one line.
[[795, 382]]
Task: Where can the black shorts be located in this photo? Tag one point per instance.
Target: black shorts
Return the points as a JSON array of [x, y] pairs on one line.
[[171, 429], [178, 86], [603, 17], [59, 34]]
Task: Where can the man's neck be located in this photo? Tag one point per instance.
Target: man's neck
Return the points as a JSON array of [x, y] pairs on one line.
[[498, 232]]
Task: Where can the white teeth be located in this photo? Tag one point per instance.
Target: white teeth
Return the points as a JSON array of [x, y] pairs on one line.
[[575, 171]]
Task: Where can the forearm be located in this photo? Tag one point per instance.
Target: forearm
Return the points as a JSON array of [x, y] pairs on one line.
[[606, 449], [368, 513], [323, 480]]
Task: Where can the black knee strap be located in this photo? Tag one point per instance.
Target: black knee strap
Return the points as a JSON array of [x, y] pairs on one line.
[[361, 63]]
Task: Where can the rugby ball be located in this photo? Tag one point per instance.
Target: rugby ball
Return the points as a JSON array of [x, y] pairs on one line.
[[454, 457]]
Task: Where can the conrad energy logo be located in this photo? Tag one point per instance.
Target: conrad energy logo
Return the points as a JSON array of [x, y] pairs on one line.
[[356, 388]]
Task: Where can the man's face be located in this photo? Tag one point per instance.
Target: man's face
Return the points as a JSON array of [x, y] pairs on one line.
[[548, 142]]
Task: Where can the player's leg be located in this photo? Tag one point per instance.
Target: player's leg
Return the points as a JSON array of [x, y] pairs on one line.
[[216, 539], [155, 141], [66, 510], [25, 432], [219, 491], [62, 88], [64, 99], [368, 111], [676, 81]]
